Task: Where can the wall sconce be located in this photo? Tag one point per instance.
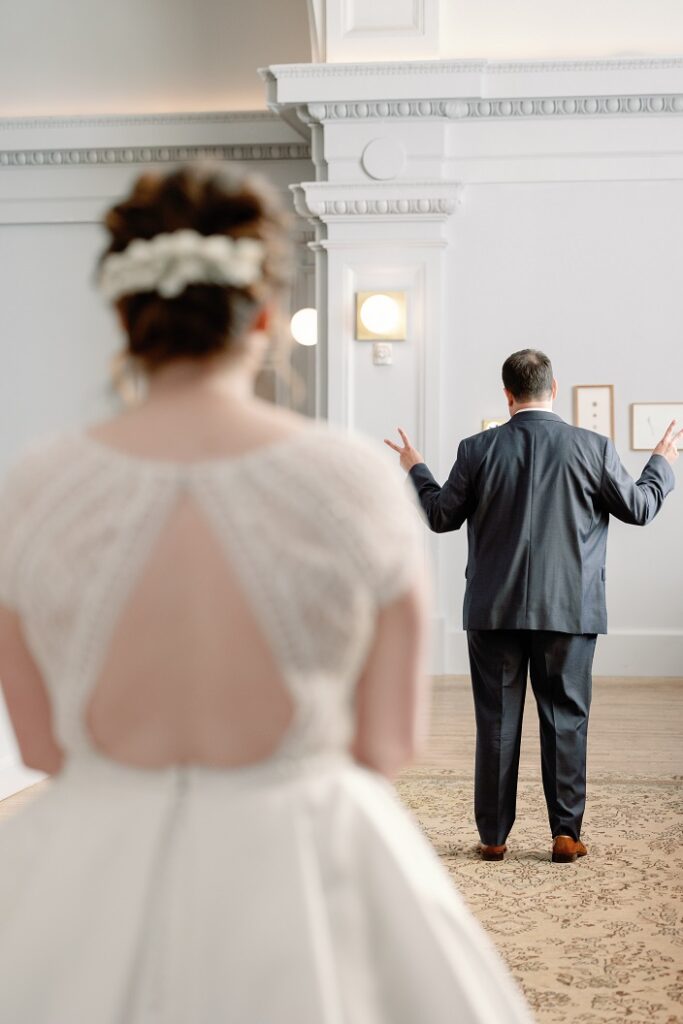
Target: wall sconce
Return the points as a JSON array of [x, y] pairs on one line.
[[304, 326], [381, 316]]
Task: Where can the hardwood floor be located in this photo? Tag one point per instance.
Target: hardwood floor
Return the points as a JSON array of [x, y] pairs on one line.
[[635, 728]]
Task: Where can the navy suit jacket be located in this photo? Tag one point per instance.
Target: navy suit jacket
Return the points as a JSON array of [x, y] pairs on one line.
[[537, 495]]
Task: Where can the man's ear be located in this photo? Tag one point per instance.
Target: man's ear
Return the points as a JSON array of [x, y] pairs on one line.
[[553, 390], [509, 397]]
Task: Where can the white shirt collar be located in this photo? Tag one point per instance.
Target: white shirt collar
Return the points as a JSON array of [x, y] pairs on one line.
[[533, 408]]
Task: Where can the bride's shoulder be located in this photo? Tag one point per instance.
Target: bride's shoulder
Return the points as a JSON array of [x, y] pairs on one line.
[[40, 456], [30, 471]]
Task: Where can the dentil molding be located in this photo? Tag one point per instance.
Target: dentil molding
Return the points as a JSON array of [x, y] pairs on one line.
[[336, 208], [111, 155], [173, 119], [329, 203], [488, 109]]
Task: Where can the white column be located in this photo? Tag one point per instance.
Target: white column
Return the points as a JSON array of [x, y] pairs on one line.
[[380, 210], [343, 30], [382, 238]]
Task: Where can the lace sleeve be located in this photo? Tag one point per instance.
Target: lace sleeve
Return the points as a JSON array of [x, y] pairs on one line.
[[19, 488], [385, 523]]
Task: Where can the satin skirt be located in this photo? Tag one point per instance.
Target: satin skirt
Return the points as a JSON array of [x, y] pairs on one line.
[[276, 894]]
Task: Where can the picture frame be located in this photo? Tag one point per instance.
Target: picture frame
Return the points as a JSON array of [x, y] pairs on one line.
[[490, 424], [594, 408], [649, 421]]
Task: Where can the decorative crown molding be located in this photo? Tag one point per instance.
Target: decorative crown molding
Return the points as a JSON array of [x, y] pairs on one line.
[[488, 109], [191, 117], [111, 155], [411, 201], [383, 207], [450, 67]]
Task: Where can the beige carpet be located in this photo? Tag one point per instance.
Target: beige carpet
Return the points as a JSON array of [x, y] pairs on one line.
[[599, 941]]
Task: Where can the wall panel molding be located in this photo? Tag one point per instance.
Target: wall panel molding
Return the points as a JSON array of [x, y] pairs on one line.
[[397, 17], [66, 170], [358, 30]]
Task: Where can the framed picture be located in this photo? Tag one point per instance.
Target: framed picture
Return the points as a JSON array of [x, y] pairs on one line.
[[594, 408], [490, 424], [649, 421]]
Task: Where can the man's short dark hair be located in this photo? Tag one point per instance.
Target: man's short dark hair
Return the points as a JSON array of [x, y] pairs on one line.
[[528, 375]]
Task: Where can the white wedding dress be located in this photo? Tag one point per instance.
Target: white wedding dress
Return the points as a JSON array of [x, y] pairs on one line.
[[294, 891]]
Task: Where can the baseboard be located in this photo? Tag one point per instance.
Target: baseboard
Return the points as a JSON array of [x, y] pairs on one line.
[[620, 653]]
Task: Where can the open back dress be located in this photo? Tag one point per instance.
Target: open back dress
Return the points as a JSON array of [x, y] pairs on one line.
[[294, 889]]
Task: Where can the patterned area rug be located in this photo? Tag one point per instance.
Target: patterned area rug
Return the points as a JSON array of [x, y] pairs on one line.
[[599, 941]]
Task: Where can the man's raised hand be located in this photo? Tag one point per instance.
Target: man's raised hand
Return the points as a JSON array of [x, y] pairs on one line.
[[668, 446], [409, 456]]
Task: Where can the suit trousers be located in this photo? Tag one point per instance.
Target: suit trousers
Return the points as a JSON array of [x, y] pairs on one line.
[[560, 667]]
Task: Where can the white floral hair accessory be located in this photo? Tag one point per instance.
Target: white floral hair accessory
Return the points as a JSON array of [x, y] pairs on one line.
[[169, 262]]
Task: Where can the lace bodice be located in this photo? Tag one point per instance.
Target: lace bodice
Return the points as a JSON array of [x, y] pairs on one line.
[[317, 526]]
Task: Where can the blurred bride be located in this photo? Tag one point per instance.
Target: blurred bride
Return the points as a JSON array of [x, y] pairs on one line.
[[211, 633]]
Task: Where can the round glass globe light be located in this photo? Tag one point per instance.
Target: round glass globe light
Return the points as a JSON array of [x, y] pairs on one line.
[[380, 314], [304, 326]]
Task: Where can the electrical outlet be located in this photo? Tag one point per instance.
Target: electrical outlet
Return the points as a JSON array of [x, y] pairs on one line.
[[382, 353]]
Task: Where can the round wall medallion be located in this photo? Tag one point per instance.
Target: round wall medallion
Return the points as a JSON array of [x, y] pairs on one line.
[[383, 159]]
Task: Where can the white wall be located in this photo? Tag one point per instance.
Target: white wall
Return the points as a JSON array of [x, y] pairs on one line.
[[542, 29], [138, 56], [55, 336]]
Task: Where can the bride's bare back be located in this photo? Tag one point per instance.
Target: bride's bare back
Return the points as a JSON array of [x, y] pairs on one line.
[[189, 675]]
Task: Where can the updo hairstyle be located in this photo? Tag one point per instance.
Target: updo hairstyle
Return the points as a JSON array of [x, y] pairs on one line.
[[204, 319]]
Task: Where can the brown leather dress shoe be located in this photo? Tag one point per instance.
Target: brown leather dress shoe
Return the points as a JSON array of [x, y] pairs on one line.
[[491, 852], [566, 850]]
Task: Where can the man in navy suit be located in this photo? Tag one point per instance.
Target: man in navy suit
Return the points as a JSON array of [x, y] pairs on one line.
[[537, 495]]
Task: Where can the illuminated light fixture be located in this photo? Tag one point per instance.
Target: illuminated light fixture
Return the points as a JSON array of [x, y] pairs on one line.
[[304, 326], [381, 316]]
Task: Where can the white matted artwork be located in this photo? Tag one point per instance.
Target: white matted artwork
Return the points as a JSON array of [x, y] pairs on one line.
[[649, 421], [490, 424], [594, 408]]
